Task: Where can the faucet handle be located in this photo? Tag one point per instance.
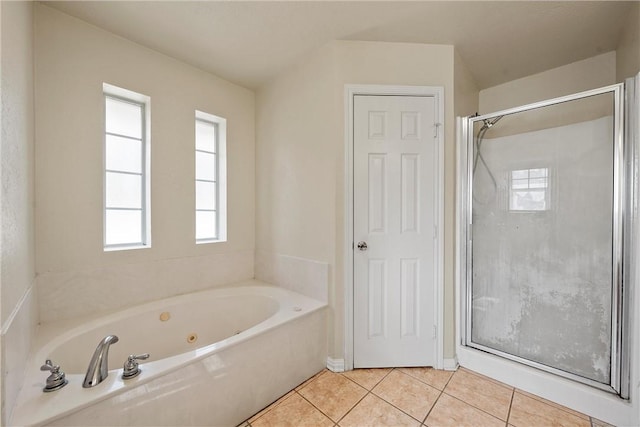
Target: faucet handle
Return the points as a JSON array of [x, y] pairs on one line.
[[132, 357], [130, 368], [49, 366], [56, 380]]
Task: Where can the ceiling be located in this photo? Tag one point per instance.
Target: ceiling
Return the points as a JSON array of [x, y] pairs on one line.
[[249, 42]]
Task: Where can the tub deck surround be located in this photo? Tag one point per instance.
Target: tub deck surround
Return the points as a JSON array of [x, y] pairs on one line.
[[248, 335], [72, 294], [305, 276]]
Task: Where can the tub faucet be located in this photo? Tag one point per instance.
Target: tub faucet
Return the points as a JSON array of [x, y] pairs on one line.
[[99, 366]]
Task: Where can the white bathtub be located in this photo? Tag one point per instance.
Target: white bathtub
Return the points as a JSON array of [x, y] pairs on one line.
[[254, 342]]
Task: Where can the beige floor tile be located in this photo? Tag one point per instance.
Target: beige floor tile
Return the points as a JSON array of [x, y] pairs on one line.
[[310, 379], [451, 412], [527, 411], [489, 396], [408, 394], [333, 394], [367, 378], [293, 411], [434, 377], [270, 407], [373, 411], [484, 377], [548, 402]]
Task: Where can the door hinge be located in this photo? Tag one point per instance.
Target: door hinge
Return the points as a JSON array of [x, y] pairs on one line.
[[436, 126]]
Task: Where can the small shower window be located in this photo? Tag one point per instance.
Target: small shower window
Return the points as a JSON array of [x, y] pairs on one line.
[[529, 190]]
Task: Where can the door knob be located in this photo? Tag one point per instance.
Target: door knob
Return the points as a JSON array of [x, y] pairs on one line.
[[362, 246]]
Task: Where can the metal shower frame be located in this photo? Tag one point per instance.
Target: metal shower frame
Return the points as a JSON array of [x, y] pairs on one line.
[[619, 379]]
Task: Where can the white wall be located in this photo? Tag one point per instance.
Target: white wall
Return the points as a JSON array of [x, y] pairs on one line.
[[17, 265], [300, 155], [75, 275]]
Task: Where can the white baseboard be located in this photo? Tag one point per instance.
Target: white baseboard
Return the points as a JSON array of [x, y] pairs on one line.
[[335, 365], [450, 364]]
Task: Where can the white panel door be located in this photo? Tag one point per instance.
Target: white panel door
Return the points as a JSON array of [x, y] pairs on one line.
[[394, 215]]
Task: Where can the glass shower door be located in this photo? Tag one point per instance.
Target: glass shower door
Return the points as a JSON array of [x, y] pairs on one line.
[[544, 253]]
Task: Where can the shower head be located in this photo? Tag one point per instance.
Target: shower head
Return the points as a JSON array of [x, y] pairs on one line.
[[487, 123]]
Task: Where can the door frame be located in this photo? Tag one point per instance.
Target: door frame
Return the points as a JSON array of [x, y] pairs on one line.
[[437, 92]]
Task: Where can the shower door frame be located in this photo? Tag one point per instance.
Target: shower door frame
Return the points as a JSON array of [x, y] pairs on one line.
[[619, 370]]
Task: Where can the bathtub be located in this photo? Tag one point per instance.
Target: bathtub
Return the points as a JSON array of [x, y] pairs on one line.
[[217, 357]]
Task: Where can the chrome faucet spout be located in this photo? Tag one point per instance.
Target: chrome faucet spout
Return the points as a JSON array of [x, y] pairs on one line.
[[99, 366]]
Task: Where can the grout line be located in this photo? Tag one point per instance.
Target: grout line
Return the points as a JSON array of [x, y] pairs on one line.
[[439, 396], [396, 407], [315, 407], [513, 393], [474, 406], [368, 393], [352, 408], [270, 407], [513, 390], [372, 387], [293, 391], [432, 406], [335, 423], [449, 380], [552, 404]]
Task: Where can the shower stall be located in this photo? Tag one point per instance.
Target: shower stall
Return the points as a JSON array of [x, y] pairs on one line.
[[544, 221]]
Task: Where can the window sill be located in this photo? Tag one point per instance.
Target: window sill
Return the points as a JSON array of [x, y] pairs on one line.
[[115, 248], [205, 241]]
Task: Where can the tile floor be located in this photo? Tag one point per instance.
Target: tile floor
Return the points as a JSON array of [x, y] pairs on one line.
[[413, 397]]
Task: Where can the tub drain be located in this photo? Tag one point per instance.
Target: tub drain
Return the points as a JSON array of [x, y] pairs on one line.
[[192, 337], [164, 316]]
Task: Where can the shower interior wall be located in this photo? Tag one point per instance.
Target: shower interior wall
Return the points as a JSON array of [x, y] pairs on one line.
[[542, 280]]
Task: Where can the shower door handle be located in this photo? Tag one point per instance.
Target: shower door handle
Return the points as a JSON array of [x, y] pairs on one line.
[[362, 246]]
